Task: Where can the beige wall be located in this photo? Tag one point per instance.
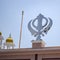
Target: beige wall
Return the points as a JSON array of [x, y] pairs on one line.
[[32, 57], [44, 56], [42, 53]]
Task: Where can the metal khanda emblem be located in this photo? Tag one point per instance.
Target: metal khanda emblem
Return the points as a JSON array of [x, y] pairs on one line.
[[39, 29]]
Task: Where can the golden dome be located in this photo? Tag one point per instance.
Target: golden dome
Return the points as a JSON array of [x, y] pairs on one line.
[[9, 39], [0, 33]]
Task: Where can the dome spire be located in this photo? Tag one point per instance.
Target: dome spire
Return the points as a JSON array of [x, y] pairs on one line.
[[10, 35]]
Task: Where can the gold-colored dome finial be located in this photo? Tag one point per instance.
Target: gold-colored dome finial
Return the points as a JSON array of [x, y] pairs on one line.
[[9, 39], [0, 33]]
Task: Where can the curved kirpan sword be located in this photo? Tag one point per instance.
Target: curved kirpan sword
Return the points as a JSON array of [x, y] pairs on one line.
[[48, 26], [30, 28], [45, 30]]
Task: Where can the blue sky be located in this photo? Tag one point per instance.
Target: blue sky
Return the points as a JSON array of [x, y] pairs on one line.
[[10, 20]]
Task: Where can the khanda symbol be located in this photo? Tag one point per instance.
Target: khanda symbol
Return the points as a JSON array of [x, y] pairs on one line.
[[39, 29]]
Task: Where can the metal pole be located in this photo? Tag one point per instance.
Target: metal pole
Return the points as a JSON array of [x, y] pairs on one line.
[[21, 29]]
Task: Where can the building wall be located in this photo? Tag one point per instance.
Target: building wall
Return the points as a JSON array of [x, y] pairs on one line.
[[32, 57], [31, 54], [51, 59]]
